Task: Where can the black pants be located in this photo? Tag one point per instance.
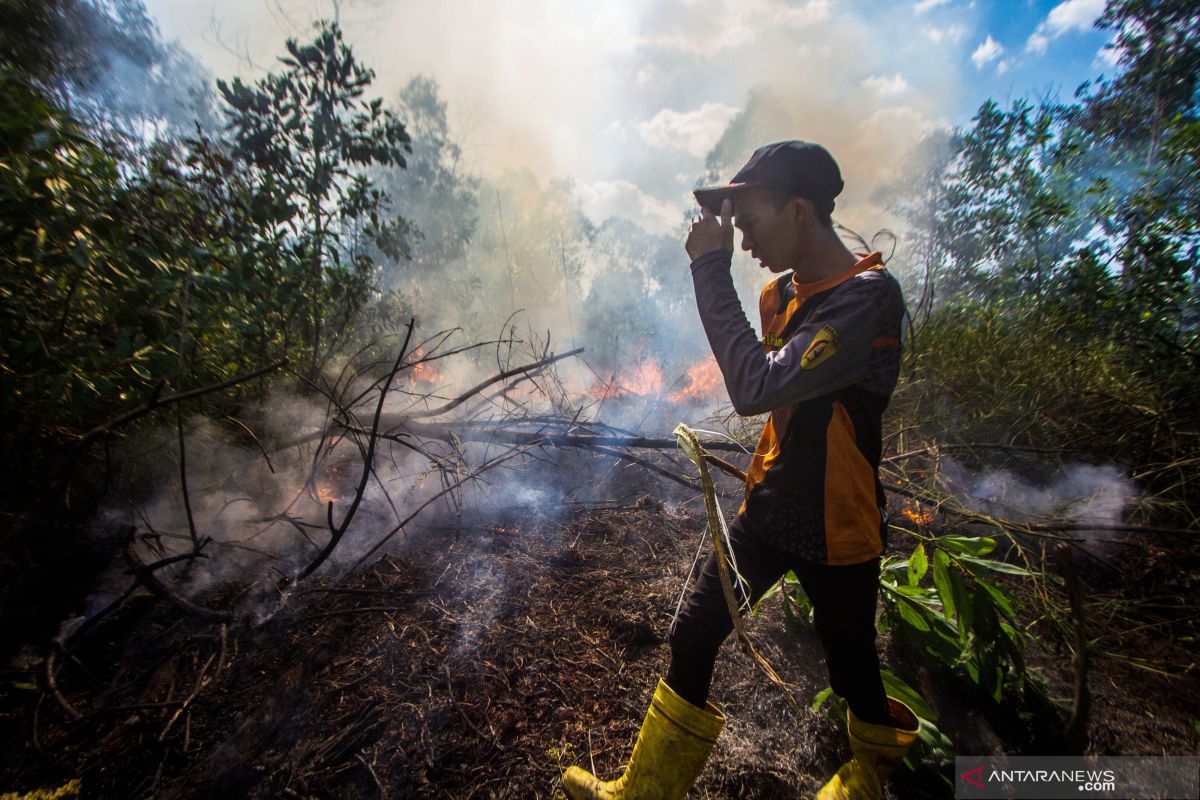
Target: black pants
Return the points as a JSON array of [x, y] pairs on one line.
[[843, 600]]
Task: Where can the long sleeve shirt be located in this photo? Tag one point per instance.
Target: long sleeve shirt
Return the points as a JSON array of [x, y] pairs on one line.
[[825, 368]]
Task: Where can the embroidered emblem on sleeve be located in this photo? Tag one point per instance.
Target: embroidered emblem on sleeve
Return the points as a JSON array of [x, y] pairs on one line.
[[822, 348]]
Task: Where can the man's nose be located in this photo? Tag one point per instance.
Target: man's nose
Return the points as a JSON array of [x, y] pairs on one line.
[[747, 242]]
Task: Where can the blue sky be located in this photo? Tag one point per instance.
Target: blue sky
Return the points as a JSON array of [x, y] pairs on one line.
[[627, 98], [1073, 48]]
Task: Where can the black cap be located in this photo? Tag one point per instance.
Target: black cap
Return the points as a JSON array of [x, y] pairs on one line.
[[801, 168]]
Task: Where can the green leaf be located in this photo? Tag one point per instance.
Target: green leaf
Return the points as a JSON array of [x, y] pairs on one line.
[[941, 580], [999, 596], [820, 698], [963, 604], [918, 564], [912, 615], [996, 565], [968, 545], [897, 688]]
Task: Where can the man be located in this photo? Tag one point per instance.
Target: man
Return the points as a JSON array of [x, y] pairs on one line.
[[824, 369]]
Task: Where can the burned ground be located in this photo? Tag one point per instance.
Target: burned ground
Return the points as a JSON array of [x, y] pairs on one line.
[[478, 660]]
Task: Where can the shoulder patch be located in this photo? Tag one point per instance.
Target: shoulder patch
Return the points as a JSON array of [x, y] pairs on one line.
[[821, 349]]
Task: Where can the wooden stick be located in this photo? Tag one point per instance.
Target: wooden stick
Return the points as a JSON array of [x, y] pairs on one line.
[[462, 398], [336, 533]]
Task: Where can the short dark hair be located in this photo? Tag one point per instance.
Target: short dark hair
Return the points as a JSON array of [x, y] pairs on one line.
[[780, 197]]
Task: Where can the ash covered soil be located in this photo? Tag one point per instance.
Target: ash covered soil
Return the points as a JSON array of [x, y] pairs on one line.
[[480, 661]]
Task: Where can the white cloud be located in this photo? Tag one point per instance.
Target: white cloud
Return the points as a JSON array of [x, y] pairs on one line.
[[1074, 15], [810, 13], [1071, 15], [952, 33], [603, 199], [887, 87], [693, 132], [1107, 57], [711, 26], [925, 5], [650, 74], [986, 53]]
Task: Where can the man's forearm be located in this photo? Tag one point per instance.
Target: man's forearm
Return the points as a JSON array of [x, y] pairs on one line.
[[737, 350], [828, 351]]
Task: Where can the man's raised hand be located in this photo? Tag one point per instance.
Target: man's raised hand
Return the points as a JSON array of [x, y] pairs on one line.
[[708, 233]]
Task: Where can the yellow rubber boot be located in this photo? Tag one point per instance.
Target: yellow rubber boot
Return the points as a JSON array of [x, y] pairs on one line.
[[669, 755], [877, 750]]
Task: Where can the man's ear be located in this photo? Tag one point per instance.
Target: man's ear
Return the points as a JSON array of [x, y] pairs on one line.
[[803, 209]]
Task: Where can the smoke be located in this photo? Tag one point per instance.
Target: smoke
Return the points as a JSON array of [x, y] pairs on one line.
[[555, 146], [1085, 494], [629, 91]]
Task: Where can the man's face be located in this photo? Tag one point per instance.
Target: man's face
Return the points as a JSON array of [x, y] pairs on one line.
[[769, 234]]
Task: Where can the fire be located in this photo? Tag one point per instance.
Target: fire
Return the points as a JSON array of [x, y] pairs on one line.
[[424, 373], [703, 381], [914, 514], [644, 380]]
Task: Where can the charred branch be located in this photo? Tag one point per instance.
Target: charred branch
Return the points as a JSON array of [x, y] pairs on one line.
[[145, 575], [337, 532], [494, 433], [505, 375]]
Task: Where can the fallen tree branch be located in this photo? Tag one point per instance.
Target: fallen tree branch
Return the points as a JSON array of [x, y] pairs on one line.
[[644, 464], [1043, 529], [183, 485], [979, 446], [50, 672], [254, 439], [145, 576], [474, 390], [482, 433], [724, 466]]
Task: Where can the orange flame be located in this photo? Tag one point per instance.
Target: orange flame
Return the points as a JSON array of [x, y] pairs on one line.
[[703, 381], [643, 380], [914, 514], [424, 372]]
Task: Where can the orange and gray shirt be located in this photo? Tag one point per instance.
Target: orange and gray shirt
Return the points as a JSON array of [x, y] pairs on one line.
[[825, 370]]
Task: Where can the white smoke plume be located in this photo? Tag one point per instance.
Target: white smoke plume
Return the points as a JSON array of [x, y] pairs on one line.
[[1085, 494]]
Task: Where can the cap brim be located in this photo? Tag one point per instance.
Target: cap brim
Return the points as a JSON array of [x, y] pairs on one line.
[[711, 197]]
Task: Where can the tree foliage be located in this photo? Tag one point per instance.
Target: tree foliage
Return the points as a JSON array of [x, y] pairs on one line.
[[1083, 205], [181, 262], [308, 136]]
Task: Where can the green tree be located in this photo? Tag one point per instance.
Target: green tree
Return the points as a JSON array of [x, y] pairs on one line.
[[308, 137], [433, 192], [1158, 48], [107, 62], [1012, 198]]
